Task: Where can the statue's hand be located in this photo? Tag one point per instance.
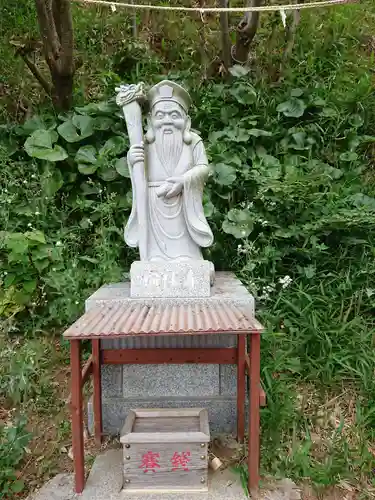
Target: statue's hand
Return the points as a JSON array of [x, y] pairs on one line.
[[177, 186], [136, 154]]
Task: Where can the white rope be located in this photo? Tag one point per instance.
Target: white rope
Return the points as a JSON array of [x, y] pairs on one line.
[[266, 8]]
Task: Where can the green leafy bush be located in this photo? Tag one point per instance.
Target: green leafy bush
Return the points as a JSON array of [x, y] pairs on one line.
[[13, 440]]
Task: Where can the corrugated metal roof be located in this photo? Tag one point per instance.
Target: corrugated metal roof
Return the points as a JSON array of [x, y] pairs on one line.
[[138, 319]]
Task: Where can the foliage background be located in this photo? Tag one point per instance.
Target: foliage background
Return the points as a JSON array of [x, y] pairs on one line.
[[291, 201]]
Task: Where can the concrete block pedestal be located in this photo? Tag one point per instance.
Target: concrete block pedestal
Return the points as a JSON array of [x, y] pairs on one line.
[[125, 387]]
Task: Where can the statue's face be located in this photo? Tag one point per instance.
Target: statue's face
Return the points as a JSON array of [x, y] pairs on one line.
[[168, 116]]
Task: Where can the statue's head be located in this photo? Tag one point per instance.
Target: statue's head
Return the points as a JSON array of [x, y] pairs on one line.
[[169, 105]]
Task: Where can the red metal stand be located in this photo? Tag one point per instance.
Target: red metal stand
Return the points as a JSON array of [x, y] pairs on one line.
[[249, 363]]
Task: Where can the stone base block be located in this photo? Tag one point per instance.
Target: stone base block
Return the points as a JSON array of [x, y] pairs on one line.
[[171, 279], [226, 288], [222, 411]]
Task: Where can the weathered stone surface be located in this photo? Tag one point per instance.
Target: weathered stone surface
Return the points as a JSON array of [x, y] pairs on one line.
[[222, 411], [104, 482], [58, 488], [105, 479], [228, 380], [171, 279], [170, 380], [226, 288]]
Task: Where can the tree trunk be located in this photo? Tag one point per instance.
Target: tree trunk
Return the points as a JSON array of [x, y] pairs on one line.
[[56, 29], [62, 91], [225, 39], [246, 31]]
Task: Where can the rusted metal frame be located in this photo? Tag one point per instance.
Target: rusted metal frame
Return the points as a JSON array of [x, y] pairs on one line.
[[241, 387], [221, 356], [262, 394], [77, 415], [97, 392], [254, 417]]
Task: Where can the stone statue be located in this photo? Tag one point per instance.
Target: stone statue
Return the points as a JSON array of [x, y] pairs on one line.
[[168, 168]]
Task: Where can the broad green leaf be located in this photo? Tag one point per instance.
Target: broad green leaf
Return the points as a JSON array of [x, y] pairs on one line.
[[9, 280], [237, 134], [208, 208], [292, 108], [17, 242], [103, 123], [348, 156], [239, 223], [17, 486], [29, 286], [36, 236], [86, 154], [52, 181], [107, 173], [237, 70], [356, 121], [31, 125], [296, 92], [86, 169], [245, 94], [113, 147], [256, 132], [78, 128], [41, 264], [224, 174], [122, 168], [362, 200], [95, 108], [40, 145]]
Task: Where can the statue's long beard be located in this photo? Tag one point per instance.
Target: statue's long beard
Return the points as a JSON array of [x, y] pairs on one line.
[[169, 148]]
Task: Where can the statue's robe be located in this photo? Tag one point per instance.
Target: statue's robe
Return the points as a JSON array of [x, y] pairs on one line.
[[176, 227]]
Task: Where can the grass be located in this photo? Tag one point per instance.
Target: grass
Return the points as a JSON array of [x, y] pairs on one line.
[[318, 349]]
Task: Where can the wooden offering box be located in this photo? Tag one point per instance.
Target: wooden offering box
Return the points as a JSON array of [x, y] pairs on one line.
[[166, 450]]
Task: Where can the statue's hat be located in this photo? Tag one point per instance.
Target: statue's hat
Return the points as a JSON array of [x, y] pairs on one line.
[[169, 91]]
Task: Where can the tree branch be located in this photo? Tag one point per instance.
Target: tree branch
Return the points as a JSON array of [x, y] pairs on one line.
[[225, 39], [246, 31], [63, 22], [36, 72], [291, 30], [51, 44]]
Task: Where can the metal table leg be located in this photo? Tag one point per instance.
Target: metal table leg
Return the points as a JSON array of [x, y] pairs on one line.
[[97, 396], [253, 452], [241, 383], [77, 415]]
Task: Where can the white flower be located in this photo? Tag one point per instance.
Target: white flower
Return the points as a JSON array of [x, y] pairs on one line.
[[5, 273], [24, 181], [29, 224], [76, 302], [58, 244], [286, 281], [37, 213], [33, 304], [5, 190], [54, 269], [100, 191], [264, 223]]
